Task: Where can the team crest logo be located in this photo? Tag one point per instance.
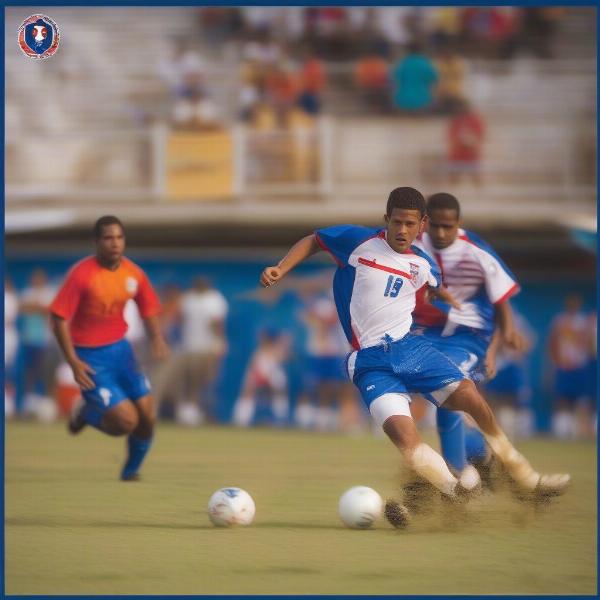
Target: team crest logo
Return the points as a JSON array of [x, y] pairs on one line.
[[414, 272], [38, 36], [131, 285]]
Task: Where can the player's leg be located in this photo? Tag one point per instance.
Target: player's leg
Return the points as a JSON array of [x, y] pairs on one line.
[[466, 397], [137, 386], [139, 440], [245, 405]]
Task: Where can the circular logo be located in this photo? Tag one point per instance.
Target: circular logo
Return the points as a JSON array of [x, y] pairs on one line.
[[38, 36]]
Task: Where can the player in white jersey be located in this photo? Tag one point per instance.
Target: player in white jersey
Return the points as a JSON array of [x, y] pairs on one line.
[[379, 273], [478, 279]]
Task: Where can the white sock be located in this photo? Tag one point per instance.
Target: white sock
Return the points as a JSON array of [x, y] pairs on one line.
[[563, 425], [507, 419], [525, 423], [326, 419], [280, 407], [244, 412], [432, 467], [305, 416], [516, 464]]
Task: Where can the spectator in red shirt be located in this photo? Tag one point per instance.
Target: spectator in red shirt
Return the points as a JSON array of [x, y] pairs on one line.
[[371, 77], [466, 134]]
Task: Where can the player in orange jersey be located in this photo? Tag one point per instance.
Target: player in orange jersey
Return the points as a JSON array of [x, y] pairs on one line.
[[88, 322]]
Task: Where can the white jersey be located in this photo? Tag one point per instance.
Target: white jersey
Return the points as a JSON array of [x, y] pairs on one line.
[[474, 275], [374, 286]]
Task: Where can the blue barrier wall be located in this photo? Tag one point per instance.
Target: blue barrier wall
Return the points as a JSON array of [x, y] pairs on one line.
[[539, 301]]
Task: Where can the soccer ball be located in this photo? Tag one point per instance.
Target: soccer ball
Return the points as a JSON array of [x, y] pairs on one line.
[[231, 506], [360, 507]]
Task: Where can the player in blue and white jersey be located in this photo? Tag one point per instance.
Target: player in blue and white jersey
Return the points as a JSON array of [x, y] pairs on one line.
[[482, 284], [375, 286]]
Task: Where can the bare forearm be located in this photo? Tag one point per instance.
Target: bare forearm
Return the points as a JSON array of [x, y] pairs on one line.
[[60, 329], [504, 319], [153, 330], [299, 252]]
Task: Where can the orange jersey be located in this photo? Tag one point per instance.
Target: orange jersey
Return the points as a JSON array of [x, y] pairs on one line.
[[93, 300]]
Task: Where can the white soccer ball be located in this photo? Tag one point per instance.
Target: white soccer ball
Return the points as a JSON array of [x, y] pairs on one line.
[[360, 507], [231, 506]]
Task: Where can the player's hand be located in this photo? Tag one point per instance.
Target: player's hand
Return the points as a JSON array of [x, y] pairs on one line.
[[444, 295], [490, 365], [514, 340], [81, 372], [270, 276], [160, 349]]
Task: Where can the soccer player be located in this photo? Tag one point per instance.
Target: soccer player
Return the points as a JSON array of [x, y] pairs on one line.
[[482, 284], [88, 322], [375, 285]]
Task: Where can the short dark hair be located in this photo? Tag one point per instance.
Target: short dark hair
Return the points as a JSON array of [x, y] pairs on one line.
[[103, 222], [407, 198], [443, 201]]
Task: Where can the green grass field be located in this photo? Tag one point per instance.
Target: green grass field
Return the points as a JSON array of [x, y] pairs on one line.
[[72, 528]]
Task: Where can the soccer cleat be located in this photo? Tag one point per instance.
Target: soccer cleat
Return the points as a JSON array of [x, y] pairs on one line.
[[552, 485], [396, 514], [131, 477], [76, 420]]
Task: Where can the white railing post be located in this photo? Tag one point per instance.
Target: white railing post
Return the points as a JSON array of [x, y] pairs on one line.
[[326, 133], [238, 135], [158, 141]]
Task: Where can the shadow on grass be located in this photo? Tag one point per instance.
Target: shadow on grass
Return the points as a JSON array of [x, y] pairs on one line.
[[106, 524]]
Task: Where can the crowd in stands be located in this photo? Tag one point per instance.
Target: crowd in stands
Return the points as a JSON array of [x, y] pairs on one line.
[[410, 60]]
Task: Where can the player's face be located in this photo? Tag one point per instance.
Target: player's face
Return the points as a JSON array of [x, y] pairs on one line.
[[111, 244], [442, 226], [403, 226]]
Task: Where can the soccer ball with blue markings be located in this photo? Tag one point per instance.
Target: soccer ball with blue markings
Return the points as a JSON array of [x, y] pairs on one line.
[[231, 506], [360, 507]]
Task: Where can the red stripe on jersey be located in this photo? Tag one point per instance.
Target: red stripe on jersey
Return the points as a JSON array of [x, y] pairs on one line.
[[374, 265], [513, 290]]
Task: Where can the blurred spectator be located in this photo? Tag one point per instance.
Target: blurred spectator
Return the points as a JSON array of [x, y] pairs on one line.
[[325, 381], [220, 24], [11, 342], [35, 339], [450, 91], [446, 26], [540, 25], [414, 79], [509, 392], [466, 135], [371, 77], [197, 111], [165, 375], [182, 69], [282, 92], [265, 380], [203, 313], [571, 354], [66, 390], [312, 82]]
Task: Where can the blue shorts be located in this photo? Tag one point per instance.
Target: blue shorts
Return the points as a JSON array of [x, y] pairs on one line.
[[409, 365], [512, 380], [118, 376], [323, 368], [466, 348], [572, 385]]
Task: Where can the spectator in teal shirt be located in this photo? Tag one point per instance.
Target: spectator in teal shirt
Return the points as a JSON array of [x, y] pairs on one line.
[[414, 79]]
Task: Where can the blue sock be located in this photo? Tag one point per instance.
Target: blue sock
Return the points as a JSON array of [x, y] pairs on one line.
[[477, 449], [137, 450], [452, 437], [91, 415]]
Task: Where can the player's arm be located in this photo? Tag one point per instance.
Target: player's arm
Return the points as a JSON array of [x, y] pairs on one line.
[[506, 324], [441, 293], [160, 348], [81, 370], [299, 252]]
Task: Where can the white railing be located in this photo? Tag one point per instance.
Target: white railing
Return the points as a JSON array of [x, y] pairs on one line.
[[337, 157]]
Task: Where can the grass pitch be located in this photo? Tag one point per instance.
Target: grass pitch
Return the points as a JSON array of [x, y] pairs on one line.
[[72, 528]]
